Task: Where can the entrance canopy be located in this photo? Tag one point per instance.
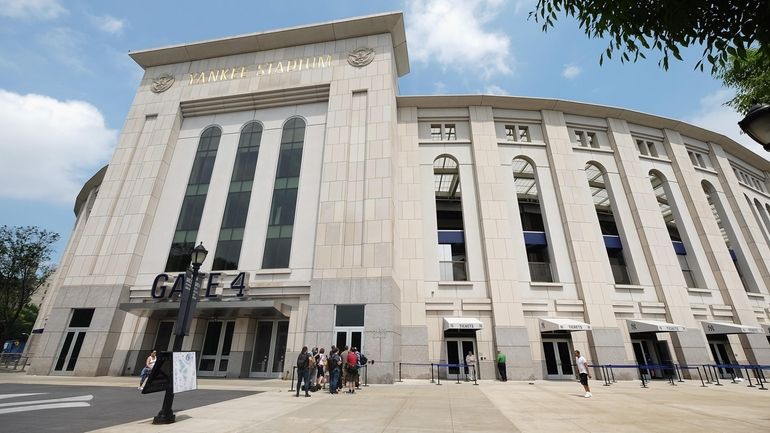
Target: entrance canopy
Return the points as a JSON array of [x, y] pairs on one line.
[[767, 329], [562, 324], [467, 323], [653, 326], [721, 328]]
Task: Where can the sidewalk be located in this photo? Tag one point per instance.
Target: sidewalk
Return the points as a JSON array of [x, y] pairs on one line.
[[417, 406]]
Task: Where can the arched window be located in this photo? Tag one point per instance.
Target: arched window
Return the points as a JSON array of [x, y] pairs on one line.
[[597, 183], [228, 250], [194, 200], [284, 203], [763, 219], [449, 217], [660, 188], [530, 211], [716, 210]]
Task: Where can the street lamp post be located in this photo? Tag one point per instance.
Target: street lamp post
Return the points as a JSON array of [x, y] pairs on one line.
[[182, 328], [757, 124]]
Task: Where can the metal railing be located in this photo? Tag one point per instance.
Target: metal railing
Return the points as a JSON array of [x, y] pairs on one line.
[[13, 360]]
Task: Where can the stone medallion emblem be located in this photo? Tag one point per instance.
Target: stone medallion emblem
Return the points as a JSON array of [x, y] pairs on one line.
[[162, 83], [361, 57]]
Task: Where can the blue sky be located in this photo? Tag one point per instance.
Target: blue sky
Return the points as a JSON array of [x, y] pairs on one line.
[[66, 81]]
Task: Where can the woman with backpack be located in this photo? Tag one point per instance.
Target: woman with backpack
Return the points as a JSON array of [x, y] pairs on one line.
[[303, 372], [333, 366], [352, 367]]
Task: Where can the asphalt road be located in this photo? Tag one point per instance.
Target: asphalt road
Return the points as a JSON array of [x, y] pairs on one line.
[[70, 409]]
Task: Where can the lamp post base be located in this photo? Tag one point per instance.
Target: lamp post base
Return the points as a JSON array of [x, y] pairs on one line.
[[166, 414], [162, 418]]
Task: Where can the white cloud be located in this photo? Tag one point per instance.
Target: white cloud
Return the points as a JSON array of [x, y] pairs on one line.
[[455, 34], [571, 71], [715, 116], [49, 146], [493, 89], [109, 24], [66, 46], [32, 9]]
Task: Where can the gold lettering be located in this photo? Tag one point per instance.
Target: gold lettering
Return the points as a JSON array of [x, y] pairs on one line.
[[243, 71], [321, 63], [279, 68], [213, 76], [260, 71], [223, 74], [192, 78], [291, 65], [270, 69], [201, 78]]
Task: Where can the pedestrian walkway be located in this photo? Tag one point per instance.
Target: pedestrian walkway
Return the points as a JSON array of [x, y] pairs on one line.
[[418, 406]]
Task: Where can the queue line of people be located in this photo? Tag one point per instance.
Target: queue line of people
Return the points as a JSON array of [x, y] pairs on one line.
[[339, 369]]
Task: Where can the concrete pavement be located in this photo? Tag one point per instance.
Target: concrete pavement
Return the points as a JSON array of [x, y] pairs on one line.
[[417, 406]]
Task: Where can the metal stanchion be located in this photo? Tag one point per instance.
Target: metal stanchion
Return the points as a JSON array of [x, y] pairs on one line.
[[366, 374], [438, 374], [292, 378], [716, 376], [748, 377], [399, 372], [759, 376], [475, 375], [612, 373], [641, 376], [431, 373], [458, 375], [679, 373], [703, 385]]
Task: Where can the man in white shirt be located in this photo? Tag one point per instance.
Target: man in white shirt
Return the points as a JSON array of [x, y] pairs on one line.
[[583, 371], [470, 362]]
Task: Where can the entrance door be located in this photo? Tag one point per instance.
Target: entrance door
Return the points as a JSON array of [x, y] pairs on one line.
[[558, 359], [73, 341], [269, 348], [164, 339], [215, 355], [349, 336], [646, 353], [720, 350], [456, 349]]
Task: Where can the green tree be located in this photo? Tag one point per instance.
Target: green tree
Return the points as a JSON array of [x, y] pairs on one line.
[[723, 27], [24, 268], [750, 77], [21, 329]]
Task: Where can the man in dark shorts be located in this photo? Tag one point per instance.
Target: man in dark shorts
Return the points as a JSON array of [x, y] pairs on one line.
[[582, 366]]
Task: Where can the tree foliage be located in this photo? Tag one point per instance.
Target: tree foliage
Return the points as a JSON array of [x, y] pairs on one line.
[[24, 268], [750, 77], [723, 27]]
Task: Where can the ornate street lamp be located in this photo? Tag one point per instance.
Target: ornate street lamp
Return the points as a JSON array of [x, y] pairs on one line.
[[757, 124], [183, 319]]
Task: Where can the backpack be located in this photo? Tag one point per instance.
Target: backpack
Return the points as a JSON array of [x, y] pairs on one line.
[[311, 362], [362, 359], [352, 359], [302, 360]]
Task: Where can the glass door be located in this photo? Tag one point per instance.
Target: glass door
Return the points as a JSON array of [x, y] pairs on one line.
[[164, 339], [646, 354], [456, 349], [349, 336], [215, 355], [73, 341], [558, 359], [719, 350], [269, 348]]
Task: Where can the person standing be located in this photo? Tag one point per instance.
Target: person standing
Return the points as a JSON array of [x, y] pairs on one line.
[[321, 361], [149, 363], [470, 362], [303, 373], [501, 366], [352, 370], [344, 367], [582, 366], [334, 370]]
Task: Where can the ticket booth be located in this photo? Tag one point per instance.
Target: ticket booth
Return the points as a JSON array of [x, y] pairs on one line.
[[460, 338], [720, 347]]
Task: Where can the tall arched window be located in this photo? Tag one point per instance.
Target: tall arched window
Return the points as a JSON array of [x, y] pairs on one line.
[[449, 216], [659, 187], [530, 211], [228, 250], [603, 205], [763, 219], [281, 223], [716, 210], [194, 200]]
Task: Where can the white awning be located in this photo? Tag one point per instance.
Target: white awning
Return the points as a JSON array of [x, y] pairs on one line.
[[767, 329], [719, 328], [470, 323], [562, 324], [636, 325]]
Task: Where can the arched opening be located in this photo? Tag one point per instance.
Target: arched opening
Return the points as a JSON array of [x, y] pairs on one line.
[[531, 214], [449, 218]]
